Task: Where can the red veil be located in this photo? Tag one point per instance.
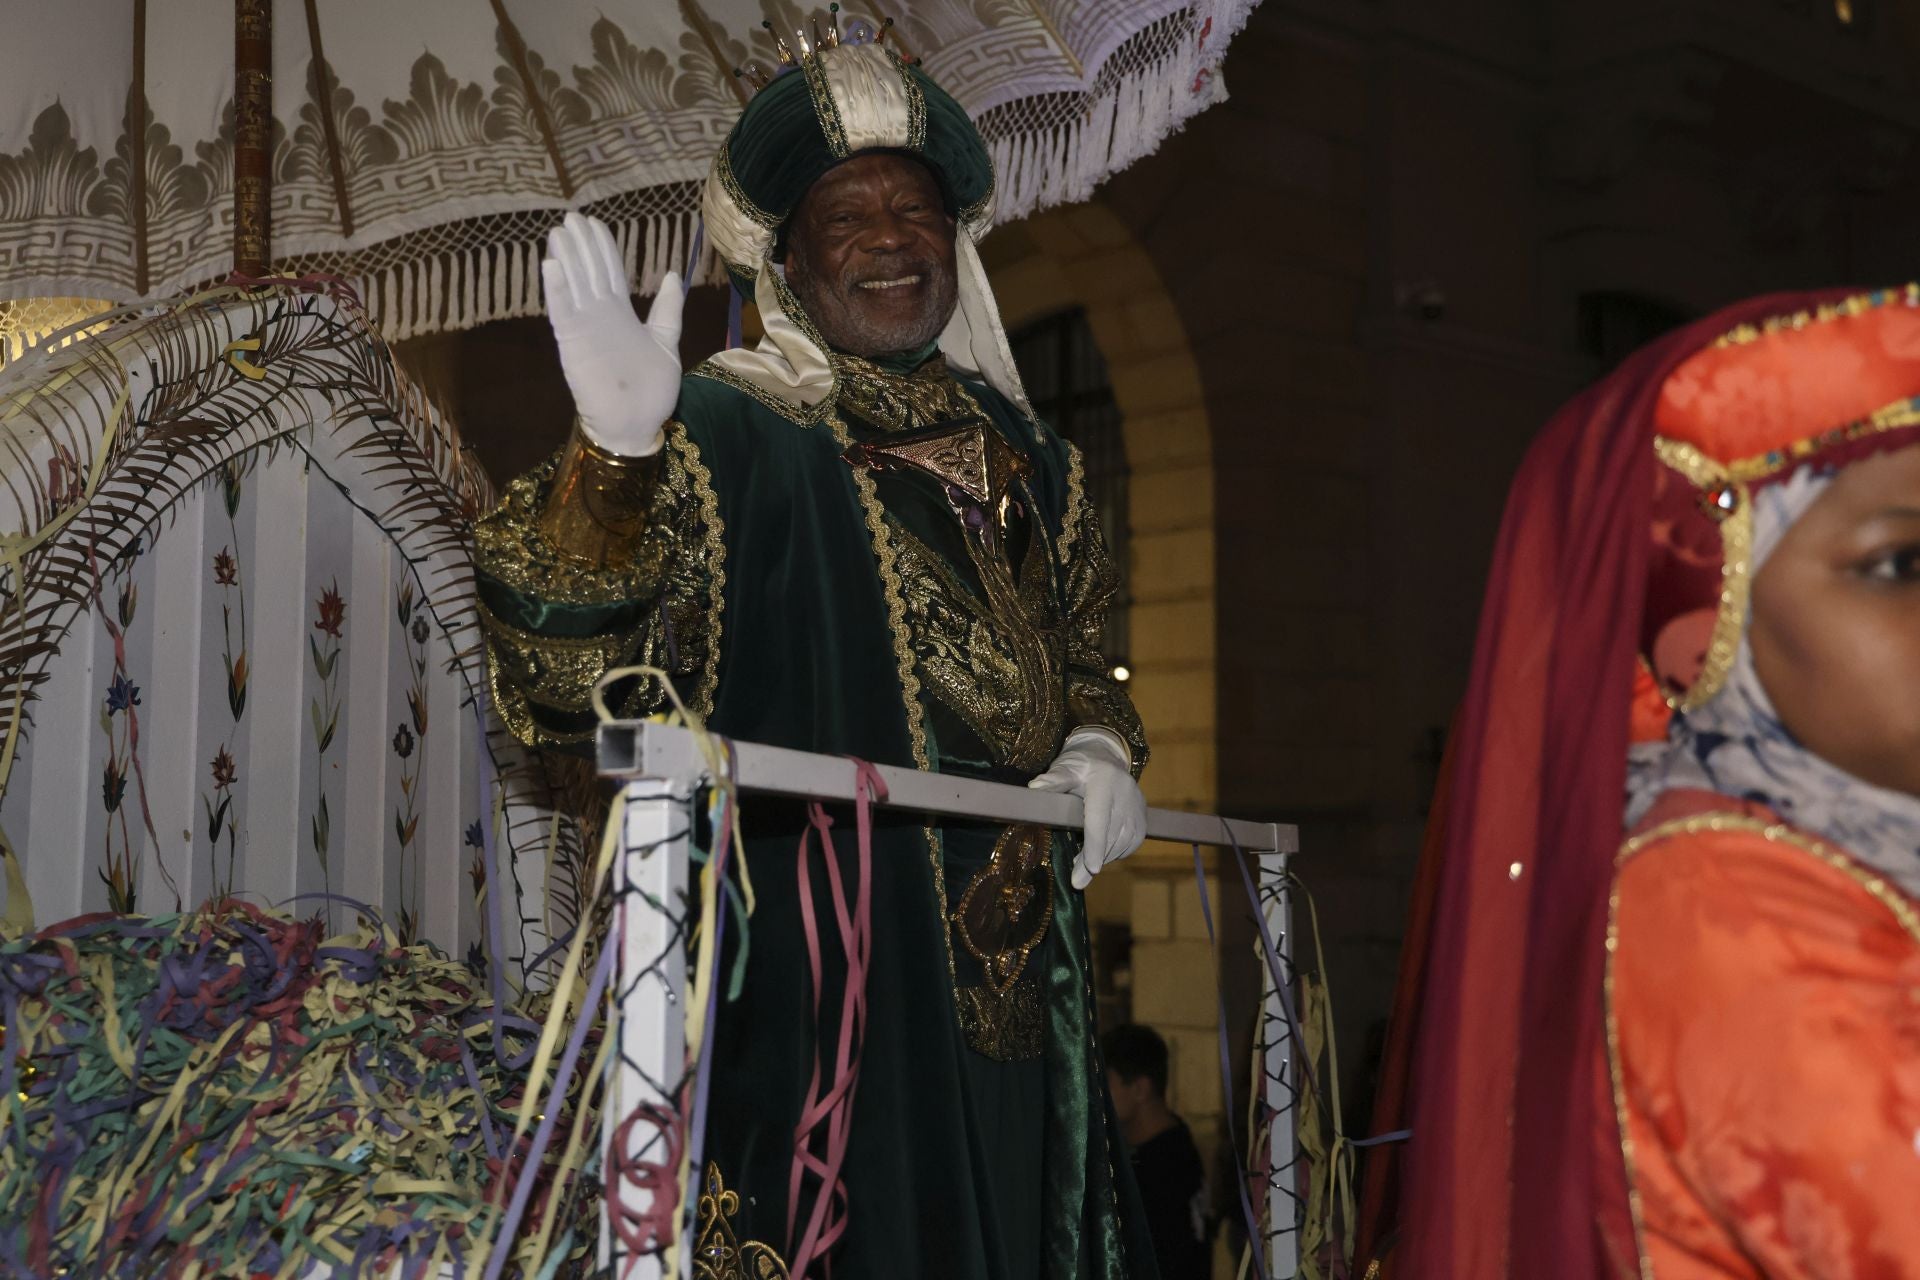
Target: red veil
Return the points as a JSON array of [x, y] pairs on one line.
[[1498, 1018]]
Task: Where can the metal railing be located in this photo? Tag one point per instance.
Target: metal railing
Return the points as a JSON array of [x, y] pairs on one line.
[[664, 770]]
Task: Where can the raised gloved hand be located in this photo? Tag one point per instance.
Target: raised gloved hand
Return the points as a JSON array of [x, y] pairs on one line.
[[625, 375], [1094, 766]]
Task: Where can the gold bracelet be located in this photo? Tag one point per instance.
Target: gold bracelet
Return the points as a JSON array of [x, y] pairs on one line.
[[596, 509]]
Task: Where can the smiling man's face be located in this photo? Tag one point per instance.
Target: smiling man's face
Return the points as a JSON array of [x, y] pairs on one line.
[[870, 256]]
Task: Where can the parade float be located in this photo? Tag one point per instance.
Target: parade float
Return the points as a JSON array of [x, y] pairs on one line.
[[307, 965]]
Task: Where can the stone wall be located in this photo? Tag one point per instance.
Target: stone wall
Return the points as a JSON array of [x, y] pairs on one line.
[[1382, 249]]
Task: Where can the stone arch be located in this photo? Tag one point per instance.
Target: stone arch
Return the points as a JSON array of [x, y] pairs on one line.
[[1085, 256]]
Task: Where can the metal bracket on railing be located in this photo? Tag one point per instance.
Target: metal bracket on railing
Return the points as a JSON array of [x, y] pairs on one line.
[[663, 768]]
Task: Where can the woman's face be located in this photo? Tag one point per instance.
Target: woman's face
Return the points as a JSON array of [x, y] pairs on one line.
[[1836, 623]]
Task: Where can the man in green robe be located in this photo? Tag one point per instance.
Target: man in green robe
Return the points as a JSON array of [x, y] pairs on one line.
[[855, 538]]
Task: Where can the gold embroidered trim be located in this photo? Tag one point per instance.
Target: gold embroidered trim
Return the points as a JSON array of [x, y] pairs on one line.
[[916, 105], [925, 397], [1076, 500], [557, 673], [975, 213], [1736, 577], [718, 1253], [1902, 908], [1009, 1027], [994, 662], [515, 712], [893, 589], [790, 306], [825, 109], [799, 414], [713, 537], [998, 899], [510, 546], [1856, 305], [730, 183], [1901, 413]]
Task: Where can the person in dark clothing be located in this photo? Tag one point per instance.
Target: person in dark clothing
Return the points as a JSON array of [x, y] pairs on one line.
[[1166, 1164]]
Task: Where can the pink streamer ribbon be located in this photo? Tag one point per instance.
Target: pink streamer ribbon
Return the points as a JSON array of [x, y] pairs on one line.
[[826, 1118]]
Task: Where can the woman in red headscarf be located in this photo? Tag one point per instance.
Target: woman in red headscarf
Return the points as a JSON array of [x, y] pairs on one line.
[[1667, 1021]]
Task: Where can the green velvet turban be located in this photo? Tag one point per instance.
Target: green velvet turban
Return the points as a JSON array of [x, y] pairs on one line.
[[841, 101]]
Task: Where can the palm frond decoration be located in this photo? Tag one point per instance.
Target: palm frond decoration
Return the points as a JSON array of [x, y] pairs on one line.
[[102, 443]]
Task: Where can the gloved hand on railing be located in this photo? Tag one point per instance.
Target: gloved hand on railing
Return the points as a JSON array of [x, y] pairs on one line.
[[624, 374], [1095, 766]]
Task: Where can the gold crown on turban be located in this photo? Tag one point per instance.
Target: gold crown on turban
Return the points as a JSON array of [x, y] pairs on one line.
[[859, 31]]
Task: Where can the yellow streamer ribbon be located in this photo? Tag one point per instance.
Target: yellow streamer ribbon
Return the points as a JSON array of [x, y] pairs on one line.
[[233, 354], [18, 919], [1330, 1195]]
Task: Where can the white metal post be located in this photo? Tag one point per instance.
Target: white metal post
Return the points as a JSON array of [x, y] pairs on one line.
[[650, 881], [1283, 1141]]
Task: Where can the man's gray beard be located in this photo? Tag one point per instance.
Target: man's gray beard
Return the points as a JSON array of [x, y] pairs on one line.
[[845, 329]]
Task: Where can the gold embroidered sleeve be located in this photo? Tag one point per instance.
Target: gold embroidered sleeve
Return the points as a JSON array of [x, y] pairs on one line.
[[556, 621], [1094, 697]]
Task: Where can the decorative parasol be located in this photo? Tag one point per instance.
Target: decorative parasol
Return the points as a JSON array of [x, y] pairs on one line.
[[421, 149]]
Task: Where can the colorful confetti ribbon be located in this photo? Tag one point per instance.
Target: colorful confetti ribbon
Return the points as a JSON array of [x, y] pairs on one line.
[[228, 1093]]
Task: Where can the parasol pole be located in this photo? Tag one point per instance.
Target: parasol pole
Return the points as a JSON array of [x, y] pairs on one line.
[[137, 151], [252, 134]]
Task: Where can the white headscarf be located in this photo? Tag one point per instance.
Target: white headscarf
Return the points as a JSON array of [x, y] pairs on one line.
[[1736, 744]]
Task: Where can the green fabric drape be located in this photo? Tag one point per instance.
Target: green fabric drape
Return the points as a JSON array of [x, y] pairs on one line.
[[959, 1167]]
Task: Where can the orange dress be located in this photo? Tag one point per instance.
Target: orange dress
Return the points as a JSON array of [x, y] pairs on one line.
[[1763, 1056]]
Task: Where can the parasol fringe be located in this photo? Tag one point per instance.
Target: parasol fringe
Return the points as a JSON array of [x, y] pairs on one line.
[[476, 265], [501, 281], [1034, 171], [1125, 124], [403, 305], [1128, 121]]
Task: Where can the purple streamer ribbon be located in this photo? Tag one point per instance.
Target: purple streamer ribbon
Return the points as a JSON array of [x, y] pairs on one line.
[[530, 1170], [496, 892]]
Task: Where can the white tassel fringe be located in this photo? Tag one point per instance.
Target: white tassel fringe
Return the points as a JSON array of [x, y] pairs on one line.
[[1033, 172]]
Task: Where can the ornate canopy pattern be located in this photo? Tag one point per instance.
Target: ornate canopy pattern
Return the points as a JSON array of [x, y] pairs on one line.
[[422, 149]]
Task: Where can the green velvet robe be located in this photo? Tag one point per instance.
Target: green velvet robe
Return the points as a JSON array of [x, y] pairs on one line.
[[811, 602]]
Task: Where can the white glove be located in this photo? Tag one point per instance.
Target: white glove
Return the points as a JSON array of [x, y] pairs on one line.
[[1094, 766], [625, 375]]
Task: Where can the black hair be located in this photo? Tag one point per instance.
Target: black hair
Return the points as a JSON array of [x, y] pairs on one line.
[[1133, 1050]]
